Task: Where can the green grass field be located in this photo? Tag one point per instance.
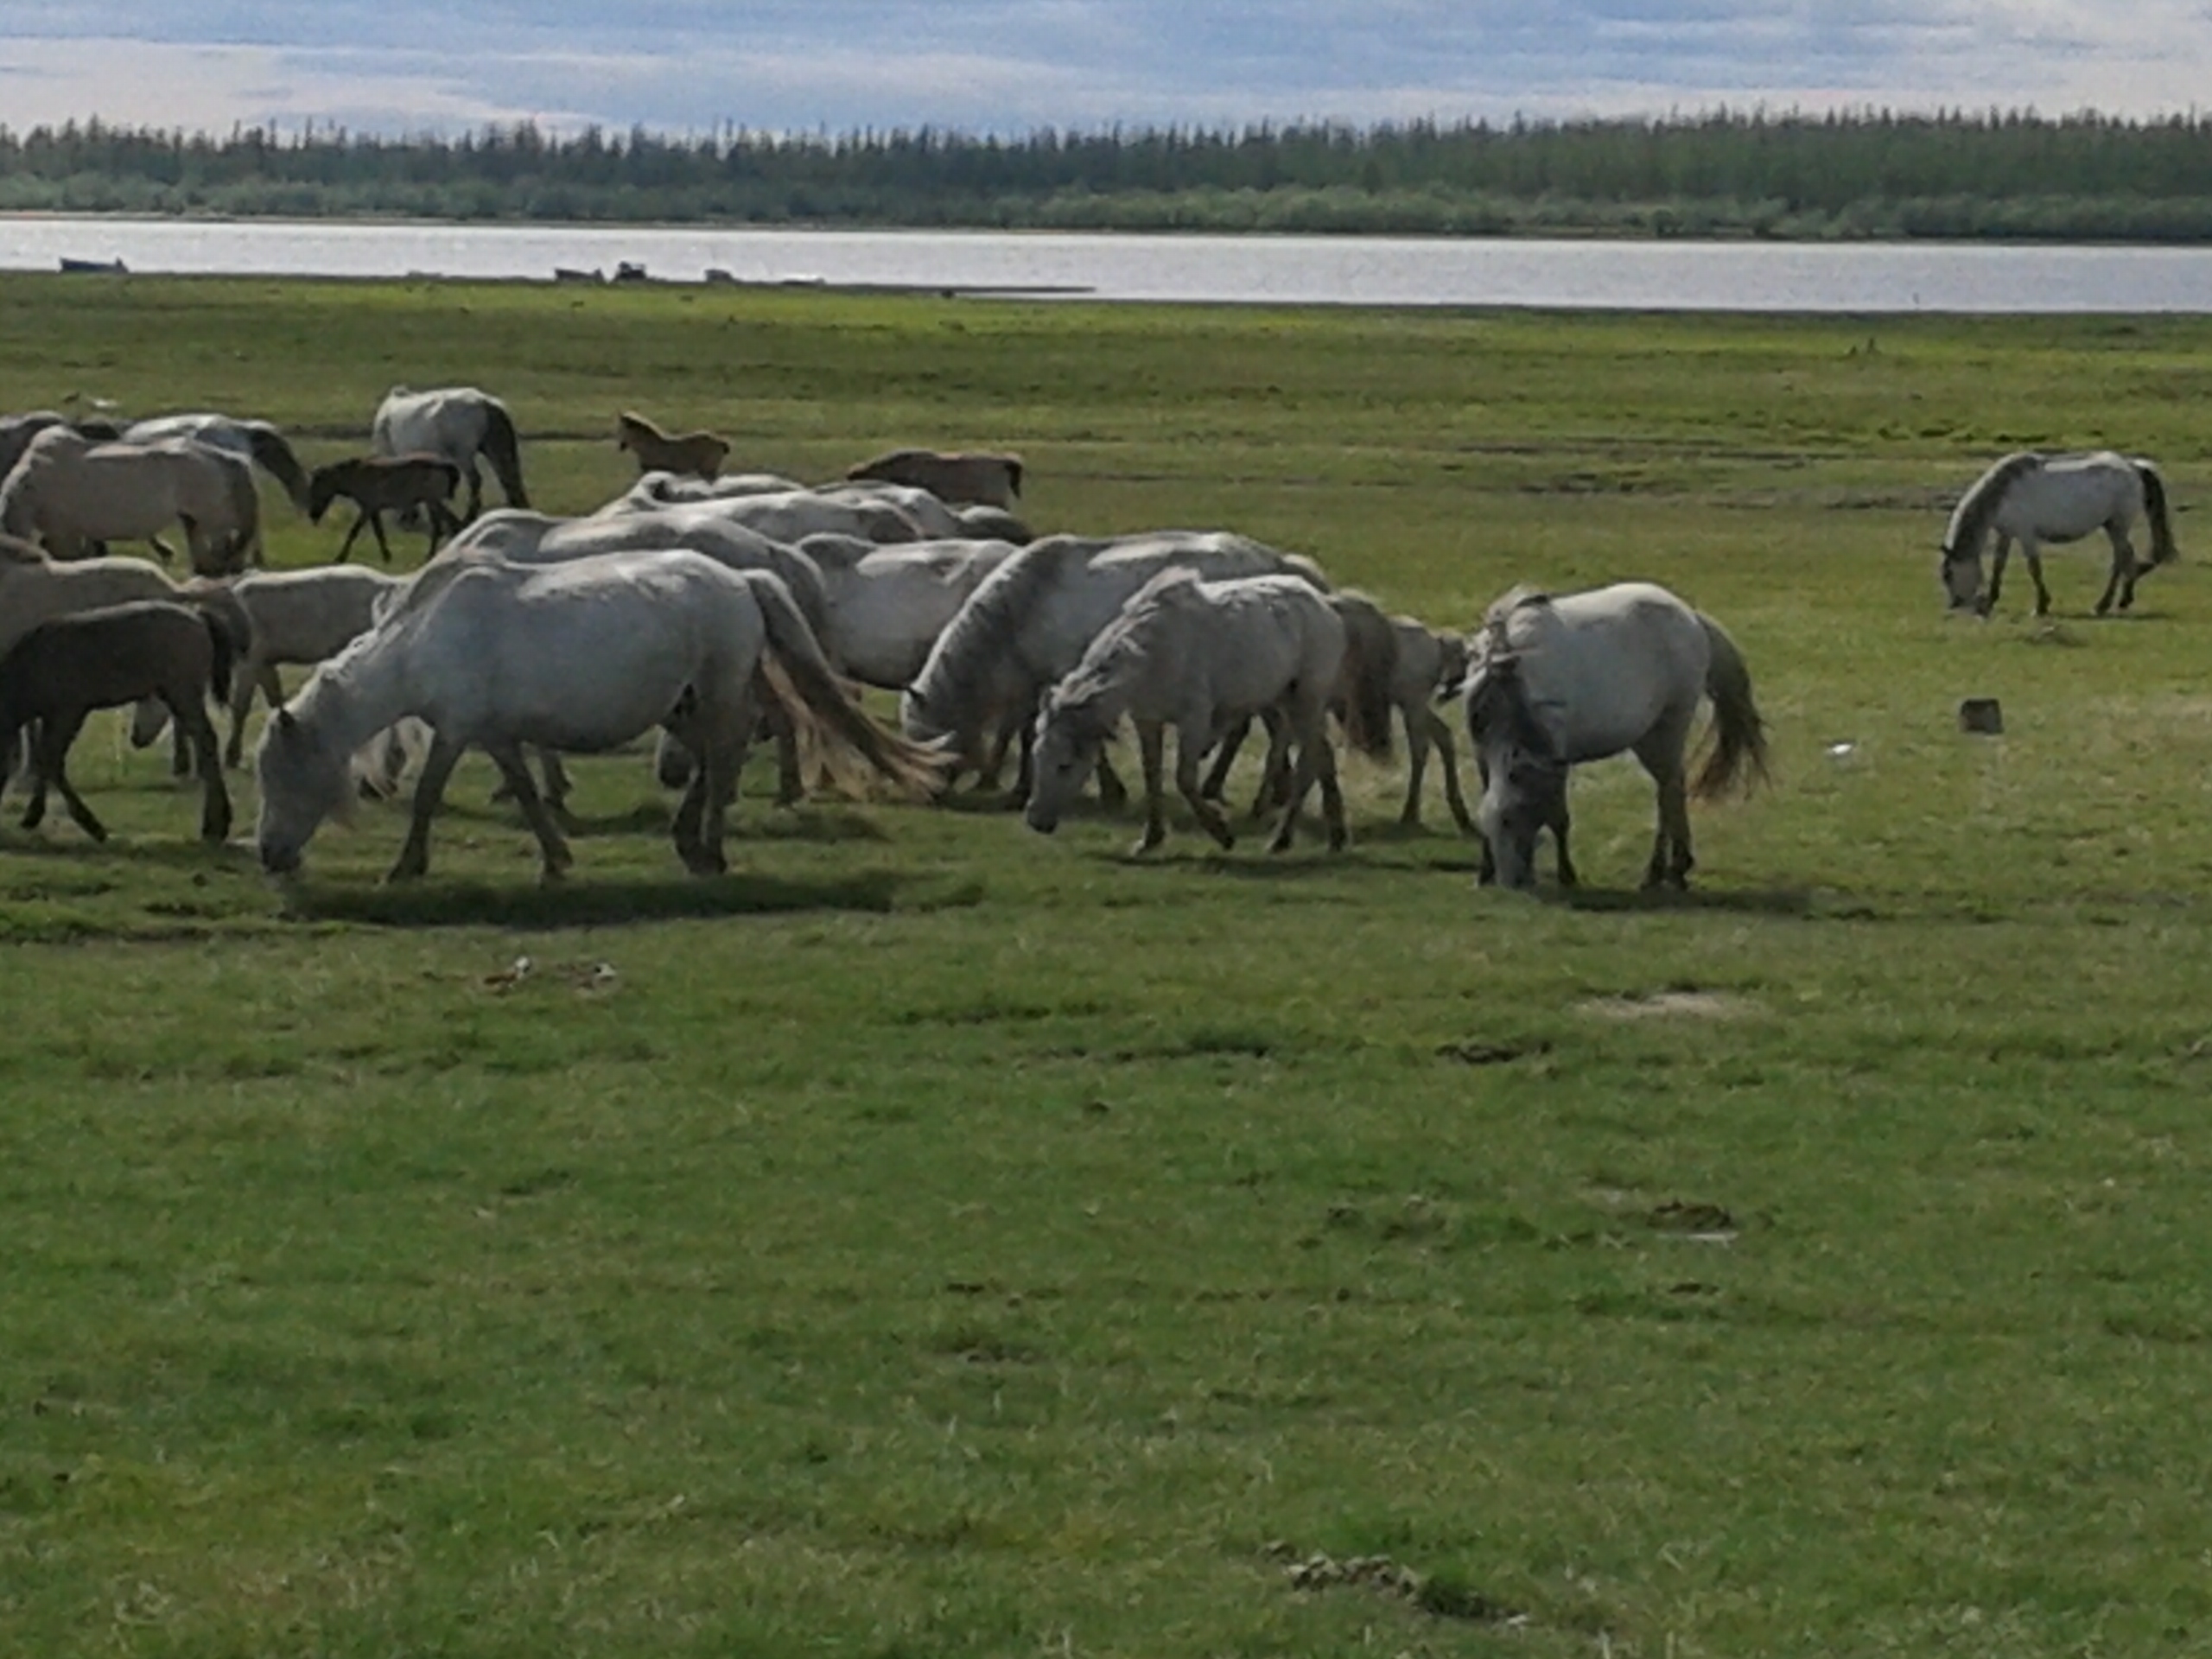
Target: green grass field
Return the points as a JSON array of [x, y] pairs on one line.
[[934, 1239]]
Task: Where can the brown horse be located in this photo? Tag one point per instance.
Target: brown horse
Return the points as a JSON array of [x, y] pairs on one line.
[[64, 669], [381, 484], [987, 480], [698, 453]]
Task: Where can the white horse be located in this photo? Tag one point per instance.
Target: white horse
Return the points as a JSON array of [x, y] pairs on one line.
[[2035, 499], [74, 494], [787, 515], [455, 423], [1203, 657], [1557, 682], [1028, 624], [664, 489], [539, 538], [254, 440], [888, 605], [578, 656], [936, 519], [298, 617], [992, 479]]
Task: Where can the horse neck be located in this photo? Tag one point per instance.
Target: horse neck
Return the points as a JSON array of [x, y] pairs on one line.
[[361, 692]]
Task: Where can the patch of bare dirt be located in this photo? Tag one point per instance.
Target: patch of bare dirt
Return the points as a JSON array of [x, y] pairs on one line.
[[1664, 1004]]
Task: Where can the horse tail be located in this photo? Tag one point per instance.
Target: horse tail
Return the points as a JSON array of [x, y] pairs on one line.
[[276, 458], [2163, 551], [219, 655], [1371, 662], [1013, 475], [505, 449], [245, 504], [228, 623], [801, 680], [1738, 745]]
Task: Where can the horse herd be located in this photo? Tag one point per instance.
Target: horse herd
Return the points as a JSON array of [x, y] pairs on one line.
[[718, 610]]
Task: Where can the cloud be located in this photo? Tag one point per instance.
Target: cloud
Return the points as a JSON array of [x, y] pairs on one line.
[[1011, 66]]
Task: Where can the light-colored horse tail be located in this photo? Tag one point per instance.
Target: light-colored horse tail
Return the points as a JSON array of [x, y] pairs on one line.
[[1370, 662], [2163, 551], [800, 678], [276, 458], [1737, 746], [504, 449]]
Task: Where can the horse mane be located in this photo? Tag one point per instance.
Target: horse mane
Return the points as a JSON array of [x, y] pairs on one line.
[[1497, 693], [1970, 518], [982, 630], [631, 420], [1121, 642]]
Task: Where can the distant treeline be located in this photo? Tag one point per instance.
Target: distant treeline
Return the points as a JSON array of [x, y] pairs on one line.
[[1854, 175]]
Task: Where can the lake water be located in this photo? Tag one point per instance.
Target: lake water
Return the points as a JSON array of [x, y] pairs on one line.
[[1295, 271]]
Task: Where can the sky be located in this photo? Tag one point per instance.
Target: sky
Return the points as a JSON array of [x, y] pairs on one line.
[[1014, 66]]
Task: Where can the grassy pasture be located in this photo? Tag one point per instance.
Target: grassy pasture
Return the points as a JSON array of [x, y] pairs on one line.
[[933, 1239]]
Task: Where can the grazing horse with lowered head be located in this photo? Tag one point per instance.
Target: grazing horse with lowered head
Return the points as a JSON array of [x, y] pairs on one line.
[[577, 657], [1028, 624], [696, 454], [73, 495], [2035, 499], [1206, 658], [457, 424], [376, 485], [254, 440], [59, 672], [1557, 682], [992, 480]]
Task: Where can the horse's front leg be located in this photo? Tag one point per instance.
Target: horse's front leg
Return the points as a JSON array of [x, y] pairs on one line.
[[1113, 793], [55, 739], [1567, 877], [1190, 749], [1224, 757], [247, 678], [2031, 550], [1152, 739], [1418, 737], [384, 545], [552, 849], [2002, 551], [1446, 754], [414, 859], [345, 547]]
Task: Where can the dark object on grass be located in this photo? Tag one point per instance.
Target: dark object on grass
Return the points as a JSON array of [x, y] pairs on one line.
[[1981, 716]]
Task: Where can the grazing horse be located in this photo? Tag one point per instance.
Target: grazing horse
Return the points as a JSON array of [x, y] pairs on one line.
[[457, 424], [888, 605], [580, 656], [1203, 657], [254, 440], [63, 668], [1028, 623], [697, 454], [1557, 682], [74, 494], [376, 485], [2034, 499], [993, 481]]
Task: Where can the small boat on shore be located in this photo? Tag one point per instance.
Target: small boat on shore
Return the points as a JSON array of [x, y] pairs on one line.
[[107, 267], [570, 274]]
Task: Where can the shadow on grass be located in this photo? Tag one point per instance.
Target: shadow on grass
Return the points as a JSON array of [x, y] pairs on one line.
[[1775, 901], [604, 903]]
